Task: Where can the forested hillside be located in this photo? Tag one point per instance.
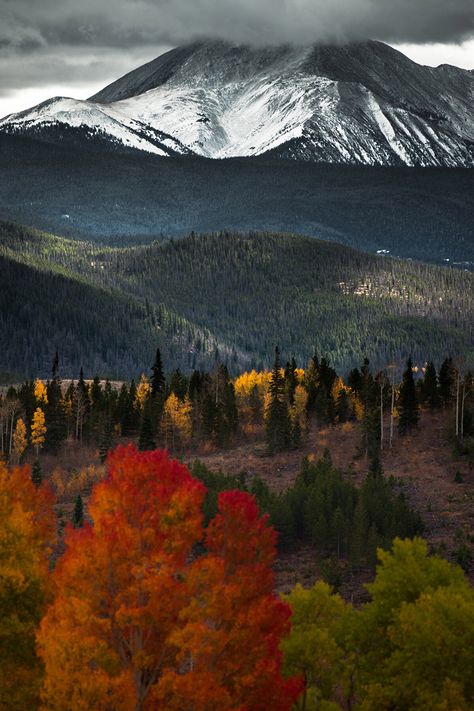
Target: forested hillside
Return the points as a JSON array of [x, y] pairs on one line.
[[422, 213], [228, 297]]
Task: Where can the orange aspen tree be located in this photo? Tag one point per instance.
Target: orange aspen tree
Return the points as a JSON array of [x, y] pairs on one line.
[[132, 624], [27, 534]]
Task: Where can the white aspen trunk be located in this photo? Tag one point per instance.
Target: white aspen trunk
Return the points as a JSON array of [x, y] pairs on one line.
[[11, 433], [392, 406]]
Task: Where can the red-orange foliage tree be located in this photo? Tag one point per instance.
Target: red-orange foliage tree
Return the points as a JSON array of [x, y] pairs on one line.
[[140, 621]]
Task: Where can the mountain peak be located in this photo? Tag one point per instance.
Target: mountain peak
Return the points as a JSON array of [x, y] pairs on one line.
[[363, 102]]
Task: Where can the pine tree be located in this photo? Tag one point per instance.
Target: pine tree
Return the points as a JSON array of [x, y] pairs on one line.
[[291, 380], [36, 473], [430, 387], [447, 381], [158, 382], [146, 440], [408, 402], [130, 420], [81, 406], [54, 410], [106, 438], [277, 417], [78, 514], [179, 384], [311, 381]]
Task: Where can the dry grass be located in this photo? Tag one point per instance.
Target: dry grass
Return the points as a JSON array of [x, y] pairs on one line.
[[424, 461]]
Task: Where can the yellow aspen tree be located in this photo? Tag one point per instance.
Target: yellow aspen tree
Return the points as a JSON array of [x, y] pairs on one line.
[[40, 392], [20, 440], [266, 404], [177, 421], [38, 430], [250, 388], [300, 407], [300, 375], [143, 392]]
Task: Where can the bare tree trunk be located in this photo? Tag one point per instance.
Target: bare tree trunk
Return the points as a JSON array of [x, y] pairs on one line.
[[11, 432], [463, 400]]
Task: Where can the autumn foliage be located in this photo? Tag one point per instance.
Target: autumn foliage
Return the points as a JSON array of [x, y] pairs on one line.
[[152, 611], [27, 534]]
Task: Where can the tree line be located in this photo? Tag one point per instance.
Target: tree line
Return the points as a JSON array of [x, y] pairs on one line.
[[180, 411]]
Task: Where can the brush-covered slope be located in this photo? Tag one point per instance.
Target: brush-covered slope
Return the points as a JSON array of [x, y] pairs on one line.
[[362, 103], [233, 297]]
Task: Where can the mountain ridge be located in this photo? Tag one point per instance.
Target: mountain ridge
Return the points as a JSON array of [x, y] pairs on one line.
[[225, 297], [362, 103]]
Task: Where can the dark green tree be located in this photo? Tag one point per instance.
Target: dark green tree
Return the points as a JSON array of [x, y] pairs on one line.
[[78, 513], [54, 410], [430, 391], [447, 381], [291, 380], [157, 380], [277, 420], [311, 381], [179, 384], [146, 439], [106, 437], [36, 473], [408, 409]]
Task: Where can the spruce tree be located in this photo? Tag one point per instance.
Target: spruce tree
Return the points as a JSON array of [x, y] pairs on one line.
[[96, 409], [408, 410], [430, 387], [291, 380], [106, 437], [130, 419], [179, 384], [311, 381], [277, 419], [78, 513], [157, 380], [146, 439], [447, 381], [54, 411], [36, 473]]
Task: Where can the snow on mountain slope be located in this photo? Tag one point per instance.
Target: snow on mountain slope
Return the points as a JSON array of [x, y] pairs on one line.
[[360, 103], [110, 125]]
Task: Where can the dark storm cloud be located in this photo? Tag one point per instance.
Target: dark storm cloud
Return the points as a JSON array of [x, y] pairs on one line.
[[45, 40], [130, 22]]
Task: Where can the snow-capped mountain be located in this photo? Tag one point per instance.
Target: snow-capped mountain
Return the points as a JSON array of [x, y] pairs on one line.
[[360, 103]]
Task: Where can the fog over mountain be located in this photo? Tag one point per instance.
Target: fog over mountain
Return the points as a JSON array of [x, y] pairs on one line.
[[49, 48]]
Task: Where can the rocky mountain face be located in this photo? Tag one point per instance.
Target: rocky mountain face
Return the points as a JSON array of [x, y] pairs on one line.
[[363, 103]]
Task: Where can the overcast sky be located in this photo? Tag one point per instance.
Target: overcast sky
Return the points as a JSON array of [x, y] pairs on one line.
[[75, 47]]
